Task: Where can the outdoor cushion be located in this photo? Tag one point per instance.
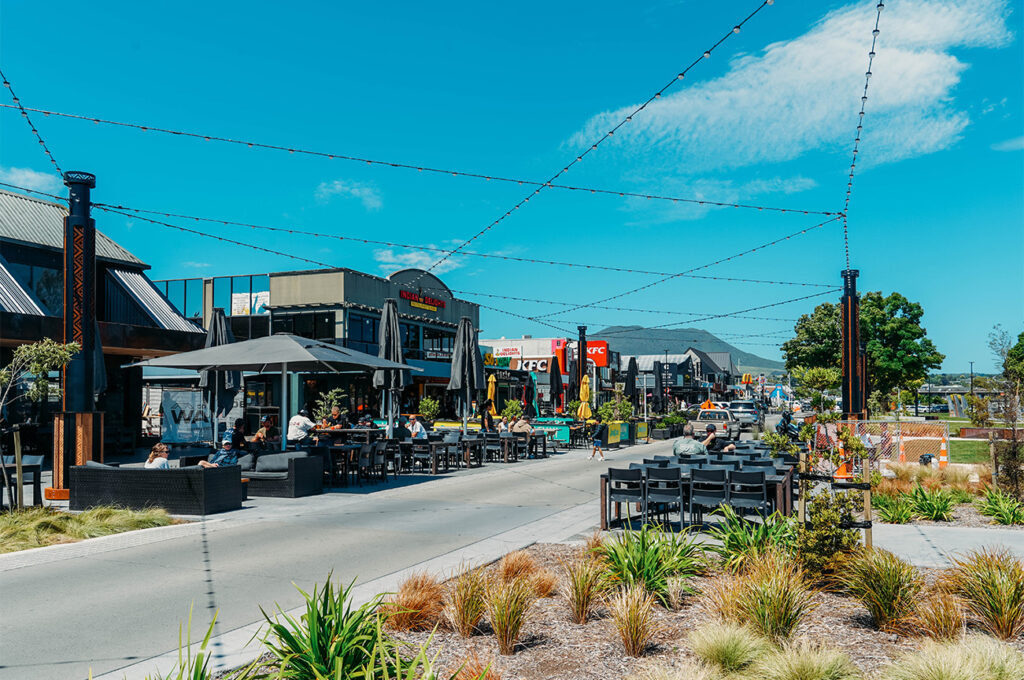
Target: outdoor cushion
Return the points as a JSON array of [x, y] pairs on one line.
[[247, 462], [94, 464], [276, 462], [267, 475]]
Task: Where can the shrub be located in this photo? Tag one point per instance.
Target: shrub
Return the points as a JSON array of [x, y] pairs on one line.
[[332, 639], [418, 604], [886, 585], [512, 410], [974, 658], [898, 510], [1001, 507], [676, 590], [742, 539], [464, 601], [940, 616], [991, 584], [430, 408], [824, 540], [584, 584], [649, 557], [518, 564], [804, 661], [1010, 459], [935, 505], [474, 668], [774, 596], [508, 605], [632, 610], [684, 671], [729, 647], [544, 583]]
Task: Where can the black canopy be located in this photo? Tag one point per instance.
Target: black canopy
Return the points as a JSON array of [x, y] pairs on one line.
[[556, 385]]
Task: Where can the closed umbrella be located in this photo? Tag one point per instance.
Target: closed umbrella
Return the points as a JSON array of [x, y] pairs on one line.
[[530, 396], [584, 412], [389, 346], [467, 369], [572, 388], [556, 386], [492, 393], [632, 370], [223, 385]]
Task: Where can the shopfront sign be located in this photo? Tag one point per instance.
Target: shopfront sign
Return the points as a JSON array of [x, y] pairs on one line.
[[597, 351], [436, 354], [186, 417], [506, 376], [420, 301], [491, 360], [508, 352], [537, 365]]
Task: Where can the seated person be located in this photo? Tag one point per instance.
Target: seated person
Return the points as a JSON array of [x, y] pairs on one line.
[[158, 458], [299, 427], [224, 457], [238, 442], [401, 431], [267, 435], [416, 428], [336, 420], [714, 444], [503, 424], [688, 445], [523, 426]]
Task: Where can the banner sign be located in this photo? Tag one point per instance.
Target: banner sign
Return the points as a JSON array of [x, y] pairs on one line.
[[243, 304], [186, 417]]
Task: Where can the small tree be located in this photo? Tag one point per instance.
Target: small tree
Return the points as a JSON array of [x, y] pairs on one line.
[[813, 382], [978, 411], [36, 361], [1009, 453], [513, 409], [430, 408], [327, 401]]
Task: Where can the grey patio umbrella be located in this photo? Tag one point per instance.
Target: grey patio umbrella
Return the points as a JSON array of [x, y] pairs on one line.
[[556, 385], [467, 369], [389, 343], [572, 388], [281, 352], [222, 385], [632, 371]]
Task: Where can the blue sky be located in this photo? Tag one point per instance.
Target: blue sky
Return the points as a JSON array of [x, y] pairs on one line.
[[518, 90]]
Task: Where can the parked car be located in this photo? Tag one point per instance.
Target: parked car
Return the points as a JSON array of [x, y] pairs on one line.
[[724, 420], [748, 414]]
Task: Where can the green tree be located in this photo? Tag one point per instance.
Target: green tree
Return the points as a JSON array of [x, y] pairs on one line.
[[898, 350]]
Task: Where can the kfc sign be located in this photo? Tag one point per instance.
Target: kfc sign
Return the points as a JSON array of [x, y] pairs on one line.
[[540, 365], [597, 351]]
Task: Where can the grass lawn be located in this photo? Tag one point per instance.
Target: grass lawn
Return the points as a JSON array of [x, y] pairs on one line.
[[38, 527], [969, 451]]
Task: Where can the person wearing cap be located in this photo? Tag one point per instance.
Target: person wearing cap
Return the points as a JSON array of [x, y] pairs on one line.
[[299, 427], [688, 445], [416, 428], [713, 443], [227, 455], [269, 432]]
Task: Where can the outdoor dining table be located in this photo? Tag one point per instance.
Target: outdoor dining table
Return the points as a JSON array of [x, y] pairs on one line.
[[342, 455], [782, 484], [436, 453]]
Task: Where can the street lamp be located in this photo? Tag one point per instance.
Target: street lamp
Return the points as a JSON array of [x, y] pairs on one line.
[[972, 377]]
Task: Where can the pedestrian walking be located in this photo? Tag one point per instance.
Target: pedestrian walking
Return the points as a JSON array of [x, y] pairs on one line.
[[599, 428]]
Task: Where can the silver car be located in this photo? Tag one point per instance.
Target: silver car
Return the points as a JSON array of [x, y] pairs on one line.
[[747, 414]]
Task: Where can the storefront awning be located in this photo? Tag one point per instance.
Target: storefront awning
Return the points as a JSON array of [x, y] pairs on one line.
[[152, 301]]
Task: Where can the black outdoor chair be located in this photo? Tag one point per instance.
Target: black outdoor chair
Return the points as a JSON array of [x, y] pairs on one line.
[[452, 448], [364, 464], [667, 459], [654, 462], [421, 454], [718, 465], [492, 447], [392, 457], [626, 486], [522, 444], [664, 489], [34, 478], [749, 491], [708, 489], [324, 454], [380, 468], [759, 462], [725, 458]]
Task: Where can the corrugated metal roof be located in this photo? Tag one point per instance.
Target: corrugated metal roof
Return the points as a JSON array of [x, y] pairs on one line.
[[14, 297], [32, 221], [153, 301]]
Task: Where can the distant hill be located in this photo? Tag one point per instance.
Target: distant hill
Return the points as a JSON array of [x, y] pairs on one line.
[[640, 340]]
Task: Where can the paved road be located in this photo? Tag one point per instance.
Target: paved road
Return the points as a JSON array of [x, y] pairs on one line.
[[109, 603]]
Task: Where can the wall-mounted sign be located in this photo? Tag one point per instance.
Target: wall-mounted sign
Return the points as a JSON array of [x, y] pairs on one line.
[[436, 354], [597, 351], [491, 360], [508, 352], [538, 365], [421, 301], [246, 303]]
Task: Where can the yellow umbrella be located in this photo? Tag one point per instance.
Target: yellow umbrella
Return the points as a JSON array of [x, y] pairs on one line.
[[492, 392], [583, 412]]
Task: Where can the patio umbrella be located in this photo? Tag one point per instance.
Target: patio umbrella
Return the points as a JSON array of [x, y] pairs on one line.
[[530, 396], [280, 352], [583, 412], [389, 342], [659, 388], [572, 388], [556, 385], [632, 370], [222, 385], [467, 369], [492, 393]]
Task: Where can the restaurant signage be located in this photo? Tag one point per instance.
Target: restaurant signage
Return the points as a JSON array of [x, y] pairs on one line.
[[538, 365], [508, 352], [597, 351], [421, 301]]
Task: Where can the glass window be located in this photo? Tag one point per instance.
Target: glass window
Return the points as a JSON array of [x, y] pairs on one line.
[[362, 333], [437, 342], [312, 325], [410, 335]]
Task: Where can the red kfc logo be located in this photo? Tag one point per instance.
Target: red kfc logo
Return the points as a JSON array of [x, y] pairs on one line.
[[597, 351]]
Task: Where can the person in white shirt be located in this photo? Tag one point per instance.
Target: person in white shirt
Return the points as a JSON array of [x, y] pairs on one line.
[[503, 425], [416, 428], [158, 458], [299, 427]]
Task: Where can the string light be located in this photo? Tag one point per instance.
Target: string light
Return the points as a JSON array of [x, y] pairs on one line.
[[860, 128], [593, 147], [704, 266], [24, 113], [440, 171]]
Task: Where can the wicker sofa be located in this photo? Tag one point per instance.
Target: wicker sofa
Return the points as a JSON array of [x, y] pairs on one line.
[[285, 475], [181, 491]]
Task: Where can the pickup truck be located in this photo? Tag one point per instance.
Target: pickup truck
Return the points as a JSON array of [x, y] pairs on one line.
[[725, 422]]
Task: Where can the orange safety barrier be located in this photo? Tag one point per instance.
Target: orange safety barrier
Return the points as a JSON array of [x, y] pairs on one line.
[[943, 453]]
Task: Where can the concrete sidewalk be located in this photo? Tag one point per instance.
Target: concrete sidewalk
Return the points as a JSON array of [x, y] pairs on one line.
[[933, 546]]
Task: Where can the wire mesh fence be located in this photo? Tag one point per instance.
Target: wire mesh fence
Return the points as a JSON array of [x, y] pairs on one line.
[[893, 441]]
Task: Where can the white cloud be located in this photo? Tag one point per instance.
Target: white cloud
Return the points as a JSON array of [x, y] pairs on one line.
[[366, 193], [30, 179], [391, 261], [196, 265], [803, 94], [1016, 144]]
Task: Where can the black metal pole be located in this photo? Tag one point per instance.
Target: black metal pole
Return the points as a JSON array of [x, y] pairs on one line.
[[79, 291], [853, 367]]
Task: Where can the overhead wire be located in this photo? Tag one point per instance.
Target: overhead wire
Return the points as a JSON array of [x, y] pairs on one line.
[[426, 168], [607, 135], [35, 131]]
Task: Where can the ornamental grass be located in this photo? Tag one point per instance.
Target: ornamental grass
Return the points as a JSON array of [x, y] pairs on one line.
[[940, 616], [508, 605], [38, 527], [632, 611], [974, 658], [991, 584], [475, 668], [516, 565], [729, 647], [544, 583], [464, 601], [886, 585], [584, 584], [805, 661], [418, 604]]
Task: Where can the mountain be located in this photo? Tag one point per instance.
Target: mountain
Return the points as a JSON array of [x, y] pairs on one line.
[[640, 340]]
